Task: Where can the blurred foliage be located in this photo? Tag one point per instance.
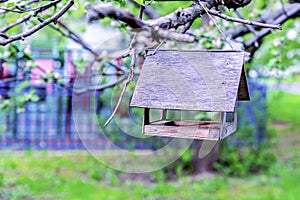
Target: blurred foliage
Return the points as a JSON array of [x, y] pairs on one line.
[[244, 161]]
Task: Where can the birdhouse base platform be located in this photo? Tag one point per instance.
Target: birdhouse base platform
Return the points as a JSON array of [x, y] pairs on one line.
[[203, 130]]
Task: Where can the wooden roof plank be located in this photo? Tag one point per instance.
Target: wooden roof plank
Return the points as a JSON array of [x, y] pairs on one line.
[[190, 80]]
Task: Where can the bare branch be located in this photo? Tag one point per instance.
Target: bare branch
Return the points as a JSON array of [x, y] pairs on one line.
[[178, 18], [15, 6], [234, 3], [4, 35], [16, 23], [10, 10], [27, 17], [128, 80], [187, 26], [270, 17], [79, 91], [243, 21], [147, 10], [252, 29], [280, 20], [72, 35], [130, 74], [96, 12], [29, 32]]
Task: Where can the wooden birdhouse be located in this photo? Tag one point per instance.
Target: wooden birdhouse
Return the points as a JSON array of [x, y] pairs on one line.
[[202, 81]]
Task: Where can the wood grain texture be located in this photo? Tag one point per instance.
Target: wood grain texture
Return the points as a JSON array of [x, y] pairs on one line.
[[243, 92], [184, 129], [229, 127], [190, 80]]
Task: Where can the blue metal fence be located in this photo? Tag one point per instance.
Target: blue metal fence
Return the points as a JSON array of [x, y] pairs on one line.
[[49, 123], [252, 116]]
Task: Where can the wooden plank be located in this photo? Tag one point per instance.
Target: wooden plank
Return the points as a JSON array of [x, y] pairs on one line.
[[182, 132], [230, 127], [163, 114], [243, 92], [146, 118], [187, 123], [184, 129], [190, 80]]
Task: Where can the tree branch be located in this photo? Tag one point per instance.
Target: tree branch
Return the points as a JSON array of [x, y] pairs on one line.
[[29, 32], [243, 21], [152, 14], [96, 12], [72, 35], [250, 28], [269, 17], [128, 80], [294, 11], [27, 17], [178, 18], [15, 6], [79, 91]]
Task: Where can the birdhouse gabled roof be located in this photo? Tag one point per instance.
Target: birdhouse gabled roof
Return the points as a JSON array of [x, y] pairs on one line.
[[192, 80]]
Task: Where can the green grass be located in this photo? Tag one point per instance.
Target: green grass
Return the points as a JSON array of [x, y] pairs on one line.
[[49, 175], [291, 79], [74, 177], [284, 107]]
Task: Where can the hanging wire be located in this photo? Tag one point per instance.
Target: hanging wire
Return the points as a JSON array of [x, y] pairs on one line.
[[218, 27]]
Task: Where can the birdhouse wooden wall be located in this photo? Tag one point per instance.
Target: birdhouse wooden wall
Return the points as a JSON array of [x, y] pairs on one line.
[[204, 81]]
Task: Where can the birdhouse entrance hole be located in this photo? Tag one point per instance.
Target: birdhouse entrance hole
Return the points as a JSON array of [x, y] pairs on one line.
[[203, 86]]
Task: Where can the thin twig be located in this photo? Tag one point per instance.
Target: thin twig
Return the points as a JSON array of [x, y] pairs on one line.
[[10, 10], [27, 17], [128, 80], [250, 28], [184, 30], [187, 26], [156, 49], [141, 12], [243, 21], [283, 8], [149, 3], [214, 21], [5, 36], [130, 74], [19, 21], [78, 91], [29, 32], [281, 19], [15, 6], [72, 35]]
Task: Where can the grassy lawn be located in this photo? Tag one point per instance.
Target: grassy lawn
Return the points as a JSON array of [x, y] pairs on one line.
[[291, 79], [284, 107], [77, 175], [81, 177]]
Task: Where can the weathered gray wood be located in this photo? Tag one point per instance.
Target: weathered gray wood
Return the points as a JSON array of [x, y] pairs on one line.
[[243, 92], [222, 117], [163, 114], [185, 129], [146, 118], [229, 127], [190, 80]]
